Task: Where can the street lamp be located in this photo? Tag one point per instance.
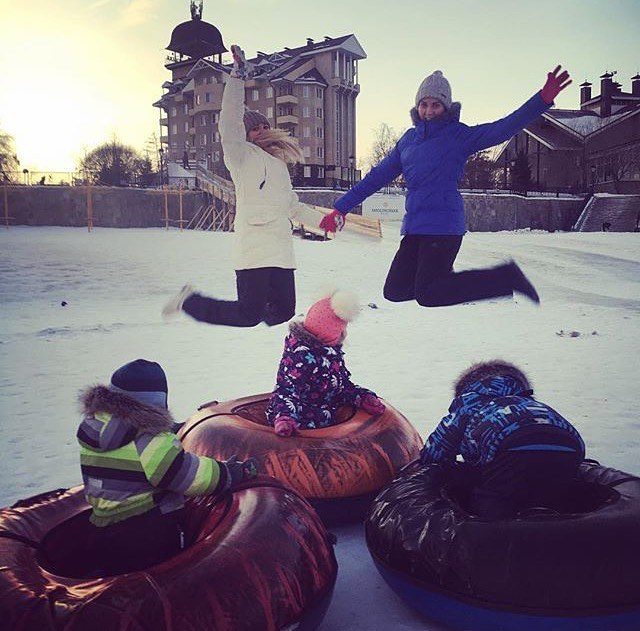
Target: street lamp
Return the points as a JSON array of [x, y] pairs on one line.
[[161, 152], [25, 172]]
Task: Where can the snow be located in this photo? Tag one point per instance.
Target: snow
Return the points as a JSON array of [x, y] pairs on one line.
[[580, 347]]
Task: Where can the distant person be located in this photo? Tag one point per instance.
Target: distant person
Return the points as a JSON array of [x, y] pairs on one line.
[[313, 381], [185, 160], [42, 181], [431, 157], [136, 474], [524, 453], [257, 158]]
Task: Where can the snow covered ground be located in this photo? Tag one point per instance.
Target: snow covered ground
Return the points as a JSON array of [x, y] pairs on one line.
[[580, 347]]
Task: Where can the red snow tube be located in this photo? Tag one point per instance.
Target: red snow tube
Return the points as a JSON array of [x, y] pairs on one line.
[[256, 559], [339, 469]]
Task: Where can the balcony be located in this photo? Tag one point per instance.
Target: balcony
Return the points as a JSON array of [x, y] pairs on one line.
[[287, 98], [164, 121], [288, 119]]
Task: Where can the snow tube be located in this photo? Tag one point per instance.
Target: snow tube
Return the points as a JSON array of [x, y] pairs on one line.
[[577, 569], [339, 469], [256, 559]]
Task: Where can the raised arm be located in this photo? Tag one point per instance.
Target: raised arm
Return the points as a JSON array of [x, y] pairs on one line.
[[232, 132], [489, 134]]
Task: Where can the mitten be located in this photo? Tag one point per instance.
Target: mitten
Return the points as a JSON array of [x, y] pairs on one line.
[[238, 470], [371, 404], [554, 85], [241, 68], [333, 222], [285, 426]]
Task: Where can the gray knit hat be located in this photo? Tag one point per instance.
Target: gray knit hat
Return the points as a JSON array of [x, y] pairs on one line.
[[253, 118], [437, 87]]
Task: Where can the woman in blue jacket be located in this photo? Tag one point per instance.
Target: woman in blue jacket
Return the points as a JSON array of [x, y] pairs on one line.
[[431, 157]]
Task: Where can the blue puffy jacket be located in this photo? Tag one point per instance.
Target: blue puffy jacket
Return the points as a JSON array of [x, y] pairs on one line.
[[432, 156], [488, 412]]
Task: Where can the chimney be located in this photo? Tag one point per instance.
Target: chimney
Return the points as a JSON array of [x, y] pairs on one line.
[[585, 92], [635, 85], [606, 91], [309, 41]]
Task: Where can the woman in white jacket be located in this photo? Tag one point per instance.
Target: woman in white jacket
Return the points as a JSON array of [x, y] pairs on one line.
[[257, 158]]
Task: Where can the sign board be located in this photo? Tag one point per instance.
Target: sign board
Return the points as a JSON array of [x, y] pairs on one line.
[[386, 207]]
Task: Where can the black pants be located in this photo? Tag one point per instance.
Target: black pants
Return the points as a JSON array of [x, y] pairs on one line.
[[516, 480], [422, 270], [265, 294], [135, 543]]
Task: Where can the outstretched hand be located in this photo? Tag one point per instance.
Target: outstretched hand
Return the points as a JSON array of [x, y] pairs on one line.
[[239, 62], [556, 82], [333, 222]]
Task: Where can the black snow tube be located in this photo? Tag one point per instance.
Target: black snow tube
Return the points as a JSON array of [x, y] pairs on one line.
[[581, 561]]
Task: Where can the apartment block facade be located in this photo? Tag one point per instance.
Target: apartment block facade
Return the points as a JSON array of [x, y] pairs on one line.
[[310, 90]]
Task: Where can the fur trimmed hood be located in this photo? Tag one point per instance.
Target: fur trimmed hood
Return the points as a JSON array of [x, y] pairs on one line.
[[131, 413], [478, 378], [452, 114]]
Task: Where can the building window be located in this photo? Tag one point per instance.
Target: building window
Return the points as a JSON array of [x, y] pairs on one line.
[[174, 111], [307, 172], [174, 129], [269, 92], [305, 112], [255, 95], [306, 131], [203, 119], [320, 172], [319, 112], [320, 152], [198, 99], [319, 132], [306, 151], [270, 112], [319, 93], [186, 127], [305, 91], [204, 139], [216, 117], [216, 137], [185, 108], [207, 97]]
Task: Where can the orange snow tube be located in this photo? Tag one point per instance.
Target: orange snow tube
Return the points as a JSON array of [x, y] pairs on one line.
[[339, 469], [257, 559]]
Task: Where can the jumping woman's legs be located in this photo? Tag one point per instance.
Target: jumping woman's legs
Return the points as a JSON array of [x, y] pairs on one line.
[[401, 278], [281, 305]]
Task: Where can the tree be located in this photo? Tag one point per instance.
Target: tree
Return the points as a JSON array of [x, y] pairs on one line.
[[479, 171], [9, 162], [384, 140], [115, 164], [521, 173]]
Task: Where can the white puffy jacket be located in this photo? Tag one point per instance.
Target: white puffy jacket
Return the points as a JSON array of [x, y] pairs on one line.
[[263, 231]]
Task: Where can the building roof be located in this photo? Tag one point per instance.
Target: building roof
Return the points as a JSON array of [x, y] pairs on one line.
[[581, 122], [196, 39]]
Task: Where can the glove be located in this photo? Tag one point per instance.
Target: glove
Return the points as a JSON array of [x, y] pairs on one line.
[[285, 426], [371, 404], [333, 222], [554, 85], [241, 69], [238, 470]]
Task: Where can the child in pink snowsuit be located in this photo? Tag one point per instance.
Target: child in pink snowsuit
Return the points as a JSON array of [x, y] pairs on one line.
[[313, 380]]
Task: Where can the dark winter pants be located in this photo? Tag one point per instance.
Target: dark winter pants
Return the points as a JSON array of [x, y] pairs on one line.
[[135, 543], [265, 294], [422, 270], [527, 472]]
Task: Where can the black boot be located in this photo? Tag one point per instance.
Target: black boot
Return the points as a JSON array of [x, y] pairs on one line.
[[521, 283]]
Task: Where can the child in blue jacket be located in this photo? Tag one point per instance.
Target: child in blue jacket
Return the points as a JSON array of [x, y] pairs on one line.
[[431, 156], [524, 453]]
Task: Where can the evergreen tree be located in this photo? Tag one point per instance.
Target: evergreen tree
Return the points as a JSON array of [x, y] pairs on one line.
[[521, 173]]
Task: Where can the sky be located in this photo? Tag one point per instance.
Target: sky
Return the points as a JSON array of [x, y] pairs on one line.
[[580, 348], [75, 73]]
